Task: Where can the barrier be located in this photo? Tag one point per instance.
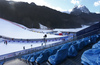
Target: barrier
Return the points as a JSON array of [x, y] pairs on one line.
[[3, 57], [14, 54], [35, 40]]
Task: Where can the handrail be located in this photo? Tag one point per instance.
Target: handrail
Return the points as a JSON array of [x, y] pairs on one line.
[[97, 31]]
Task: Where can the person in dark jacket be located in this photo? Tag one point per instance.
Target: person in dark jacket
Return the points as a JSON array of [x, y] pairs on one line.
[[5, 42], [23, 47], [45, 38]]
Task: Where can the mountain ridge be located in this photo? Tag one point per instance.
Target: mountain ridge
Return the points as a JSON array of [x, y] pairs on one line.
[[31, 15], [77, 10]]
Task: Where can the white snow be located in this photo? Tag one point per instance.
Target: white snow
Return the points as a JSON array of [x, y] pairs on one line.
[[71, 30], [40, 30], [43, 27], [20, 25], [10, 30], [83, 9]]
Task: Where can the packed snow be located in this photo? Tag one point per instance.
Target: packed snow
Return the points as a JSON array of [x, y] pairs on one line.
[[40, 30]]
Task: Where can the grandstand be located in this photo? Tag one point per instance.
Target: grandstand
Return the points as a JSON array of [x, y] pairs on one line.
[[68, 52], [93, 29]]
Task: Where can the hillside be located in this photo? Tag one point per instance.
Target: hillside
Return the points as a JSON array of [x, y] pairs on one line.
[[31, 15], [11, 30]]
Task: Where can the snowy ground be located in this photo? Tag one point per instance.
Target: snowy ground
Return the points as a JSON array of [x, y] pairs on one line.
[[12, 47], [9, 29]]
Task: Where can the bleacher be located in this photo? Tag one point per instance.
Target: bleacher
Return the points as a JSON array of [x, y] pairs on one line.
[[92, 56], [58, 54], [40, 56]]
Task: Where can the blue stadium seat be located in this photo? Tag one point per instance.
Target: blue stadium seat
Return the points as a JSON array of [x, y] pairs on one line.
[[72, 51], [97, 45], [29, 57], [76, 45], [33, 58], [55, 49], [81, 45], [45, 54], [1, 62], [91, 57], [61, 54], [87, 41], [93, 38]]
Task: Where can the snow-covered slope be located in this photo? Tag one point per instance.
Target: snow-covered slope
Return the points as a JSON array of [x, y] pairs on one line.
[[8, 29]]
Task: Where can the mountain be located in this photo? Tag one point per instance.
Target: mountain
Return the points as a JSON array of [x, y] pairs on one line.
[[68, 12], [31, 15], [80, 9], [84, 14]]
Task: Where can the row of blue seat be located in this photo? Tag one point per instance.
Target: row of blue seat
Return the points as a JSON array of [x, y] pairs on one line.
[[56, 55], [92, 56], [71, 49], [40, 56]]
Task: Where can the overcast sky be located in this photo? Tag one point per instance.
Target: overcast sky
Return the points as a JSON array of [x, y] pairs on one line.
[[67, 5]]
